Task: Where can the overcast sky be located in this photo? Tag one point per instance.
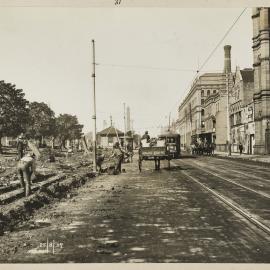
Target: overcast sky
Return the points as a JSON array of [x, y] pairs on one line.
[[47, 53]]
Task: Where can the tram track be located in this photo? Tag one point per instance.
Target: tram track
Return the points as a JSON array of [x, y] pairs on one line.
[[228, 180], [254, 219], [243, 165], [248, 216], [249, 171]]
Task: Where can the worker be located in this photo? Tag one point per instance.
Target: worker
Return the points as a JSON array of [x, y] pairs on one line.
[[130, 151], [146, 136], [26, 167], [118, 154], [21, 146], [100, 159]]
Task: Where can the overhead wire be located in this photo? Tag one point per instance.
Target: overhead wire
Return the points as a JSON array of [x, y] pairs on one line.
[[209, 56]]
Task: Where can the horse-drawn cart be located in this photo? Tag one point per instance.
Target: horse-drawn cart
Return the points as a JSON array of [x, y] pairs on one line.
[[155, 153], [167, 147]]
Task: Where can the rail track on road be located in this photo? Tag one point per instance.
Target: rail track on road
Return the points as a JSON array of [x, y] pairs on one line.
[[254, 219], [208, 171], [239, 168]]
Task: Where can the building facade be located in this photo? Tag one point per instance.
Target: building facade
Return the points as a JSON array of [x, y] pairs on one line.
[[241, 111], [261, 64], [109, 136], [202, 115]]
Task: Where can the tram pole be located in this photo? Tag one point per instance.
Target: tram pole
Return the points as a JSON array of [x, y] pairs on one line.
[[94, 109]]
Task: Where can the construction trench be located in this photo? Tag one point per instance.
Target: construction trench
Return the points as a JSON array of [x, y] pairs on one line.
[[54, 181]]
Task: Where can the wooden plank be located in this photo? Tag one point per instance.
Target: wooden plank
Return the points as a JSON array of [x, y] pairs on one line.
[[12, 195]]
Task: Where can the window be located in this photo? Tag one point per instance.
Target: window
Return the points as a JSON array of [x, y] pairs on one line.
[[202, 112], [214, 91], [208, 92], [202, 101], [202, 93]]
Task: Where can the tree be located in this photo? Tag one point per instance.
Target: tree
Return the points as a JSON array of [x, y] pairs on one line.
[[41, 121], [13, 111], [68, 128]]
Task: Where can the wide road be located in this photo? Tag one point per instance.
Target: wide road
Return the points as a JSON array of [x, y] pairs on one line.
[[202, 210]]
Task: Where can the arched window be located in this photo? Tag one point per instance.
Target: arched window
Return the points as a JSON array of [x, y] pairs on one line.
[[202, 93], [214, 91]]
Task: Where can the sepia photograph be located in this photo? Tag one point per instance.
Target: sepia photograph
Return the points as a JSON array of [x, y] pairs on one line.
[[134, 132]]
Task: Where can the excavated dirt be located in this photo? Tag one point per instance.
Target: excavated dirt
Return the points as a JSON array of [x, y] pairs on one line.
[[70, 171]]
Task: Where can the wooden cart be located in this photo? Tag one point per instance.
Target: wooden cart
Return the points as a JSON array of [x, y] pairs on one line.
[[155, 153]]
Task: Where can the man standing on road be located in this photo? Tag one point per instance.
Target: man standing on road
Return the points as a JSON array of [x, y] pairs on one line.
[[240, 148], [26, 167]]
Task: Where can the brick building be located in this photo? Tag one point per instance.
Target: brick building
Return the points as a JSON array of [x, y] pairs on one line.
[[202, 114]]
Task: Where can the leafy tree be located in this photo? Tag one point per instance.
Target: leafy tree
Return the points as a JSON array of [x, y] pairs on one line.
[[68, 128], [13, 111], [41, 121]]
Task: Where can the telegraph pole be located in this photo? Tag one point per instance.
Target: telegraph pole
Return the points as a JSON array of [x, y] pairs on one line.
[[169, 128], [94, 117], [125, 126]]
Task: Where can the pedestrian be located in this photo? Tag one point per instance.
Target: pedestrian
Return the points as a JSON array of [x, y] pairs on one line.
[[118, 155], [21, 146], [213, 147], [240, 148], [26, 167]]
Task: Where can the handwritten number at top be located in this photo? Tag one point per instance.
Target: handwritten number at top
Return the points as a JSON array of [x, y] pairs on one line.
[[117, 2]]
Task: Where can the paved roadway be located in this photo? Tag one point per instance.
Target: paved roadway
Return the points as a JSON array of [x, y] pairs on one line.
[[155, 216]]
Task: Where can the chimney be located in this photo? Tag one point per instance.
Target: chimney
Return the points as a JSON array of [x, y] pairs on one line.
[[227, 58]]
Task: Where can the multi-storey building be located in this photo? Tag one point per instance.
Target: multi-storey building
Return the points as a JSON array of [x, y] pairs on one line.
[[261, 64], [202, 114], [241, 111]]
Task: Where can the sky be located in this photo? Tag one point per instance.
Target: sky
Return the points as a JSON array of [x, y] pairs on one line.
[[146, 57]]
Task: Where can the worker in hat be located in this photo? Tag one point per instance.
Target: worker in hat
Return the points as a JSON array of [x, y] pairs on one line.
[[146, 136], [118, 155], [21, 145], [26, 167]]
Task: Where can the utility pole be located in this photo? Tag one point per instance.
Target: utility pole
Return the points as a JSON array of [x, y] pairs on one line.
[[125, 126], [169, 128], [228, 115], [94, 117]]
